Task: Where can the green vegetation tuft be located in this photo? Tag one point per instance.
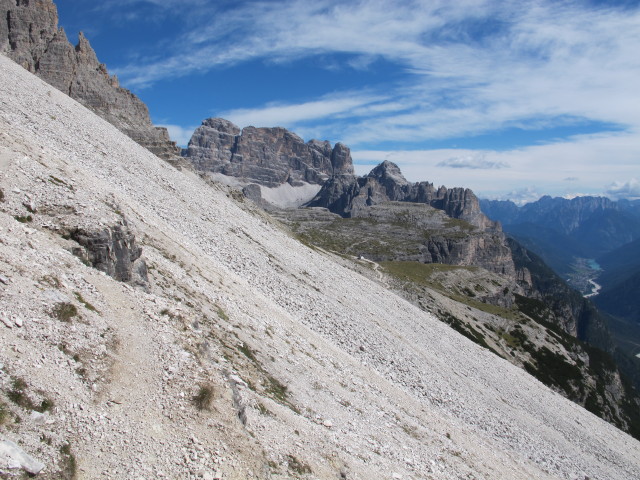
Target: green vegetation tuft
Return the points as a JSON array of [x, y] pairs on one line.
[[59, 182], [18, 395], [203, 399], [70, 465], [24, 218], [264, 410], [222, 314], [64, 311], [297, 466], [247, 351], [271, 386], [277, 390], [86, 304], [4, 413]]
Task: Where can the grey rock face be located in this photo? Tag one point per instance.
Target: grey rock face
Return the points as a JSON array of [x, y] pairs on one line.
[[114, 251], [31, 37], [348, 195], [266, 156]]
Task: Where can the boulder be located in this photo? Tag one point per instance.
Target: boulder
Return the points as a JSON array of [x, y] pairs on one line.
[[12, 457], [112, 250]]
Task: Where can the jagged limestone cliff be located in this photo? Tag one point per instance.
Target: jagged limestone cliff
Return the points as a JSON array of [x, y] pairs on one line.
[[270, 157], [347, 195], [29, 35]]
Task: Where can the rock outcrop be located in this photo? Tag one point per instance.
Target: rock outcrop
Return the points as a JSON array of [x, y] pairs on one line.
[[30, 36], [348, 195], [403, 232], [112, 250], [265, 156]]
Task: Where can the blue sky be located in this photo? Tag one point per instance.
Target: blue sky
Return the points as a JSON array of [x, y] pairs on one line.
[[514, 99]]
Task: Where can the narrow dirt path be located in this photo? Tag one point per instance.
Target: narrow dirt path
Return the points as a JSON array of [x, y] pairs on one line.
[[376, 268], [129, 396]]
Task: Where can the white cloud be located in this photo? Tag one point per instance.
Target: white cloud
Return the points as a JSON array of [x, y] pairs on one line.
[[587, 157], [289, 114], [473, 162], [536, 60], [520, 196], [628, 189]]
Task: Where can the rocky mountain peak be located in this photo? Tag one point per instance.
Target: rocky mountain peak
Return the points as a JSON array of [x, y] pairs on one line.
[[31, 37], [388, 172], [341, 160], [348, 195], [86, 51], [221, 125], [269, 157]]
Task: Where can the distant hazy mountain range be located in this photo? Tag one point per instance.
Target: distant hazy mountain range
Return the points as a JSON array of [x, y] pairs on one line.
[[572, 234], [559, 230]]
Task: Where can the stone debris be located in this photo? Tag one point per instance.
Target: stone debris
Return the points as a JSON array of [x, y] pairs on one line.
[[137, 393], [4, 319], [12, 457]]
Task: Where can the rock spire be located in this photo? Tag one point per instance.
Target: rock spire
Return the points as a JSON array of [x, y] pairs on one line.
[[31, 37]]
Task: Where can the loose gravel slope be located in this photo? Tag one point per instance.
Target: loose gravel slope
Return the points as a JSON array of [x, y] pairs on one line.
[[313, 371]]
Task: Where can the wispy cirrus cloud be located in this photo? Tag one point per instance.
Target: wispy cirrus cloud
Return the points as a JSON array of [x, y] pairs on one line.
[[471, 65], [469, 68], [292, 114]]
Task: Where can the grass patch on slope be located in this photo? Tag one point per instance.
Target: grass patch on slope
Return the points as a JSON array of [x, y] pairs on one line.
[[421, 274]]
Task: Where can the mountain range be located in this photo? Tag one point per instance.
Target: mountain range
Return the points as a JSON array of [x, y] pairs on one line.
[[562, 229], [184, 314], [585, 239]]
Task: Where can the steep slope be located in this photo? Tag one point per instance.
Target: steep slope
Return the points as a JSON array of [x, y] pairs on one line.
[[29, 34], [620, 293], [496, 293], [621, 299], [619, 264], [307, 369]]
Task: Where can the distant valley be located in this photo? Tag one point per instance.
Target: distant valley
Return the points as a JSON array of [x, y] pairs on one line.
[[592, 242]]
